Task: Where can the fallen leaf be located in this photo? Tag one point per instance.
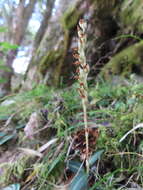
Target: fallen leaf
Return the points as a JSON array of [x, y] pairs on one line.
[[31, 152], [47, 145]]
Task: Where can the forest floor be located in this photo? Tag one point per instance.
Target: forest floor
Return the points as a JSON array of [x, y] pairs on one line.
[[42, 141]]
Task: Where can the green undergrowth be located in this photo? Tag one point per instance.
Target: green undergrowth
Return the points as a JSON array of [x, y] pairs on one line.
[[114, 109], [70, 18], [131, 14]]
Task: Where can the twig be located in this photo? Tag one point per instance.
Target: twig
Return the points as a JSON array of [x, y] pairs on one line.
[[126, 153], [69, 149], [124, 186], [9, 120], [136, 127], [45, 127], [29, 183]]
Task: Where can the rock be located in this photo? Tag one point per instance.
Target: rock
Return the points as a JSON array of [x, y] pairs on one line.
[[32, 125], [37, 126]]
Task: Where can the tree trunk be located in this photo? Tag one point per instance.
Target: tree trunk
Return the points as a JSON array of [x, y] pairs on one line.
[[44, 23], [20, 23], [52, 62]]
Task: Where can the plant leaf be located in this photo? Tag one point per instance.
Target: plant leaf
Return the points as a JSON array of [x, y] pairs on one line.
[[47, 145], [31, 152], [13, 187], [7, 46], [95, 157], [80, 182], [54, 163], [75, 166], [20, 126], [2, 134], [4, 117], [6, 138]]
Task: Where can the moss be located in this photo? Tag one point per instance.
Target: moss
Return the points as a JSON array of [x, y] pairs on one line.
[[50, 58], [13, 170], [124, 62], [58, 69], [131, 15], [121, 123], [70, 18], [56, 59], [104, 4]]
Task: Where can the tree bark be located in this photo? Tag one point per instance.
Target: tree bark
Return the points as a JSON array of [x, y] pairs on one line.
[[20, 23], [44, 23]]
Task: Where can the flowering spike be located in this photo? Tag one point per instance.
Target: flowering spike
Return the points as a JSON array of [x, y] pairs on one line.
[[76, 56], [75, 49], [76, 63], [82, 71]]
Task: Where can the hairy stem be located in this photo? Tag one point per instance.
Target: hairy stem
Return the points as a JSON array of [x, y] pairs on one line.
[[86, 134]]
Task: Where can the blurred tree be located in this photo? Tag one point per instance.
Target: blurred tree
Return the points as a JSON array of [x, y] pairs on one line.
[[15, 17]]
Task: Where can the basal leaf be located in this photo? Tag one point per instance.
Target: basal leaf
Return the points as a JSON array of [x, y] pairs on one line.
[[20, 126], [95, 157], [54, 163], [80, 182], [75, 166], [6, 138], [2, 134]]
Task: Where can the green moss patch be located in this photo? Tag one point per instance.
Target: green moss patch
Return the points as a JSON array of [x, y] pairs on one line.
[[52, 57], [70, 18], [124, 62], [131, 15]]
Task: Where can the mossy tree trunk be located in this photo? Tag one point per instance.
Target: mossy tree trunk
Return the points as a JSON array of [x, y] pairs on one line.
[[52, 62]]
